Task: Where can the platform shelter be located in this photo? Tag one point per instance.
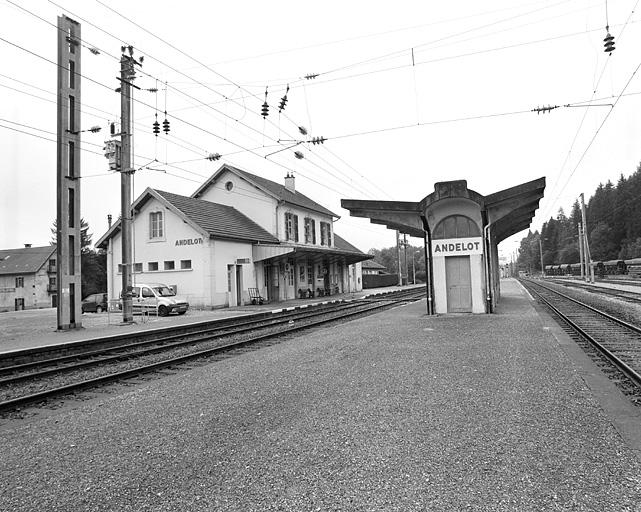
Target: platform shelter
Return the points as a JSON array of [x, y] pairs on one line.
[[461, 230]]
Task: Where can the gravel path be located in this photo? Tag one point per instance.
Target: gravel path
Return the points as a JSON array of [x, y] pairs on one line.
[[396, 411]]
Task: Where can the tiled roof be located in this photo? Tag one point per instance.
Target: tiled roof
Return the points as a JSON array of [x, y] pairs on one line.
[[27, 260], [218, 220], [344, 245], [281, 192], [373, 264]]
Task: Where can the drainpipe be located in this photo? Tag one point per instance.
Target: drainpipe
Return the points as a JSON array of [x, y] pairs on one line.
[[429, 269], [428, 273], [488, 267]]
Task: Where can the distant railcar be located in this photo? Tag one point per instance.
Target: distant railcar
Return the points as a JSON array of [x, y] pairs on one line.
[[614, 267], [599, 268], [633, 267], [575, 269]]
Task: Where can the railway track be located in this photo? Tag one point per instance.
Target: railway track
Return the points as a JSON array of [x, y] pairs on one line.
[[67, 370], [628, 296], [616, 341]]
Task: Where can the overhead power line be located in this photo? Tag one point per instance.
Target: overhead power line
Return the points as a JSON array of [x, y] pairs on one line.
[[578, 130], [174, 69], [450, 36], [598, 130]]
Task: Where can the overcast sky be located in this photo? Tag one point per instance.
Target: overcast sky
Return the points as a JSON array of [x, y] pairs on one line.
[[393, 129]]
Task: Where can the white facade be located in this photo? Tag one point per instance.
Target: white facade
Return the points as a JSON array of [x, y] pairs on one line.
[[211, 271], [184, 258], [471, 248]]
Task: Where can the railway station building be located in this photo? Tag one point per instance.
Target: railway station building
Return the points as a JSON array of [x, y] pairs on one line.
[[236, 232], [461, 230]]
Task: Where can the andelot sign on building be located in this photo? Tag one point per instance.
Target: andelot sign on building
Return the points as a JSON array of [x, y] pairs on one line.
[[457, 247]]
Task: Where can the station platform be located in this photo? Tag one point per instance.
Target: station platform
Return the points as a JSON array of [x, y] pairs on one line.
[[37, 327], [395, 411]]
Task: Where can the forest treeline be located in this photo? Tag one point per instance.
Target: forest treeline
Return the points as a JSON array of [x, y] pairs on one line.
[[613, 218]]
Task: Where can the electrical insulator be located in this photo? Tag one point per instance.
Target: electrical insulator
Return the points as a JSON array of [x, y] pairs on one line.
[[608, 42], [264, 111], [112, 128], [318, 140], [213, 157], [302, 130], [311, 76], [165, 125], [299, 155], [156, 126], [283, 101]]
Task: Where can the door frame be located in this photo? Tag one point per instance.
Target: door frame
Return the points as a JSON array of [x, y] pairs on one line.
[[466, 262]]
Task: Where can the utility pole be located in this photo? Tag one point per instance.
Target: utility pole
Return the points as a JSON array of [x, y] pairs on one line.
[[581, 255], [407, 270], [127, 75], [413, 267], [68, 229], [541, 251], [586, 244], [398, 258]]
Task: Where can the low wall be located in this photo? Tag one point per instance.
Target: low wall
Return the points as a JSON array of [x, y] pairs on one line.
[[380, 280]]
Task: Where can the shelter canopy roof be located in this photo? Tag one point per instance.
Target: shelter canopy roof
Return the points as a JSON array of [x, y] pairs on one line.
[[509, 211]]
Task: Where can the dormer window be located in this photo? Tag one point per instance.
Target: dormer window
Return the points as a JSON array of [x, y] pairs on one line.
[[156, 226]]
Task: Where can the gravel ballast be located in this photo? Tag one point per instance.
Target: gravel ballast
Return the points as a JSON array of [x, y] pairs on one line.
[[396, 411]]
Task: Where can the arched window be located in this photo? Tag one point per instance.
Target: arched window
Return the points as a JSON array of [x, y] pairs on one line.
[[456, 226]]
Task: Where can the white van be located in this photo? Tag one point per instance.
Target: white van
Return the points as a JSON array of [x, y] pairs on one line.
[[150, 296]]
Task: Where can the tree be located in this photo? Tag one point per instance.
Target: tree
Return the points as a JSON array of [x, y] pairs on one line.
[[93, 263], [602, 247], [613, 217], [85, 236]]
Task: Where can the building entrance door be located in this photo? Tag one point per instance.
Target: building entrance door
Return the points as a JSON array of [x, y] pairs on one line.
[[271, 281], [459, 284], [239, 285]]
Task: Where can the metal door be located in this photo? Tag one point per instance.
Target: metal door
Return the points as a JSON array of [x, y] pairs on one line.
[[459, 284]]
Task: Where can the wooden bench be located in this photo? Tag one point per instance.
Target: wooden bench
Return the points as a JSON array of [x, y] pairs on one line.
[[254, 296]]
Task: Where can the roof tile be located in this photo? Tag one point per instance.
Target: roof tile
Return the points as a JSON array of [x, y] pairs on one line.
[[26, 260], [219, 220]]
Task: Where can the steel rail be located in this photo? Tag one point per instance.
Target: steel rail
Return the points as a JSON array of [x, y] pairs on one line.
[[62, 390], [629, 296], [632, 374], [145, 338], [136, 349], [587, 306]]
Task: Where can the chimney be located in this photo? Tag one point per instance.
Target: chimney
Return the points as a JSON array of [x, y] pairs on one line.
[[289, 182], [109, 220], [27, 246]]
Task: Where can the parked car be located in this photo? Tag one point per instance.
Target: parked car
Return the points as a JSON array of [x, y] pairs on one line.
[[94, 303], [157, 295]]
